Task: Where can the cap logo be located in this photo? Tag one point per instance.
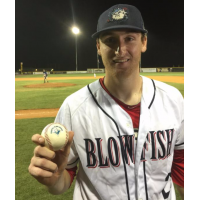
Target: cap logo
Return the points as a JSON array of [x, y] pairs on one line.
[[118, 14]]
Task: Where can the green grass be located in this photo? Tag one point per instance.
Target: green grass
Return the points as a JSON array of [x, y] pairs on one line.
[[26, 187], [179, 86], [38, 98], [58, 75]]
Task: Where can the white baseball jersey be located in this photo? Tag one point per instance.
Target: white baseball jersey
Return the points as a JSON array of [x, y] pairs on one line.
[[112, 164]]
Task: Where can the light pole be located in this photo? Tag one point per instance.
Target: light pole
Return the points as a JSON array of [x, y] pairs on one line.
[[76, 31]]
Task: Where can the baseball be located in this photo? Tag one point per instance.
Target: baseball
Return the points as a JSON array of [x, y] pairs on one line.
[[56, 136]]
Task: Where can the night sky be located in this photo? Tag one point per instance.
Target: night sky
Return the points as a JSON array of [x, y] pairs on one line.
[[43, 37]]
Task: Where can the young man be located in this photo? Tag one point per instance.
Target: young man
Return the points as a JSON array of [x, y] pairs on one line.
[[126, 130], [45, 76]]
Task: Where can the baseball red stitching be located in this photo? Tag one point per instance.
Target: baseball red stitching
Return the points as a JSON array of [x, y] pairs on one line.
[[47, 137], [67, 137]]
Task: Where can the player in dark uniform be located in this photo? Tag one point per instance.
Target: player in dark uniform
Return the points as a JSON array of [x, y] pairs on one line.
[[45, 75]]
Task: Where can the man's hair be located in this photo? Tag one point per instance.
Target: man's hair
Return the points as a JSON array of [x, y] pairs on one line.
[[143, 36]]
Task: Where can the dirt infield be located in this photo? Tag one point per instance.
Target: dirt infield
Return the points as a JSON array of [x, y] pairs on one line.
[[49, 85], [40, 113], [36, 113], [169, 79], [174, 79]]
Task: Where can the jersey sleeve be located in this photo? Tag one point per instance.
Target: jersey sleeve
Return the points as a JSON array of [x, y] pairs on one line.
[[64, 117], [72, 173], [177, 171]]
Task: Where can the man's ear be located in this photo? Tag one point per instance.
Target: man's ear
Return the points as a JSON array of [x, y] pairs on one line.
[[144, 44], [98, 47]]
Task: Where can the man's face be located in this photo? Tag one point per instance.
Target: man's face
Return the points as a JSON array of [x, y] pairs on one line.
[[130, 47]]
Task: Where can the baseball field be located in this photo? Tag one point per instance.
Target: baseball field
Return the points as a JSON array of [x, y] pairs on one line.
[[36, 105]]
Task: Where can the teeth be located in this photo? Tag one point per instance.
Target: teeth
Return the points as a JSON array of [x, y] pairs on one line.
[[120, 60]]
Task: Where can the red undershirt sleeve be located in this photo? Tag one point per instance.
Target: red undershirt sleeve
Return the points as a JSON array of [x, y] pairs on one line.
[[72, 173], [177, 171]]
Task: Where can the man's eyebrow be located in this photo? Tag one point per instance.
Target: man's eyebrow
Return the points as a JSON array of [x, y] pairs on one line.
[[109, 33], [106, 34]]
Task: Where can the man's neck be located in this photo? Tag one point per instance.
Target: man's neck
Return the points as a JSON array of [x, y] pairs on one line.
[[126, 89]]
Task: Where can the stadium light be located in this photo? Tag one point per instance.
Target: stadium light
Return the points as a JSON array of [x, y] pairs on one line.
[[76, 31]]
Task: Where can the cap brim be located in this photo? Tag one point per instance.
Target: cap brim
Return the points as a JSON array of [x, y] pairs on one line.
[[95, 35]]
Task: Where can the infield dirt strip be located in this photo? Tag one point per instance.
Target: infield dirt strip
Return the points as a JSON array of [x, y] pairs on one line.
[[40, 113]]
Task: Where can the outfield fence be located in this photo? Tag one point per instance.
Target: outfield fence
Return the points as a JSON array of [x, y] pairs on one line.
[[100, 70]]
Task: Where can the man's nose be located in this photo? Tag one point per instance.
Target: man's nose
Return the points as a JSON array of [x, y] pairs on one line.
[[120, 49]]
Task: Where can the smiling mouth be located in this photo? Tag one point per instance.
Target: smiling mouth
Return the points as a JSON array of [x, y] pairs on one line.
[[120, 60]]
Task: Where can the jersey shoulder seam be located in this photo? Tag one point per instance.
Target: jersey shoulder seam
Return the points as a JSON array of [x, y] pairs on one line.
[[81, 102]]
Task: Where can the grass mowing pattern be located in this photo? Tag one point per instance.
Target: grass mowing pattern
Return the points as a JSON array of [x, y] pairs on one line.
[[38, 98], [26, 187]]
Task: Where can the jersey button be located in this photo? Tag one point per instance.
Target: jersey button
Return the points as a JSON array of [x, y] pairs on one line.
[[128, 124]]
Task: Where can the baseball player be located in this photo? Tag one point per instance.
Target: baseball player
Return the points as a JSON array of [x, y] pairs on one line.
[[126, 130], [45, 75]]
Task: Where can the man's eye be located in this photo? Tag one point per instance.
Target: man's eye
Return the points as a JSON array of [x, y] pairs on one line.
[[129, 39], [110, 40]]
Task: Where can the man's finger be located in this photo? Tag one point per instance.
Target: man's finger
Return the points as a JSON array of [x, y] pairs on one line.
[[44, 164], [38, 139], [44, 152], [38, 172]]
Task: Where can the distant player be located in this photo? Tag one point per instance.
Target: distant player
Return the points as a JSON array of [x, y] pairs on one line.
[[94, 75], [45, 75]]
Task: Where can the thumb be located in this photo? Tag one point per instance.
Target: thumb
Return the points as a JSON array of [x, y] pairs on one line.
[[38, 139], [69, 143]]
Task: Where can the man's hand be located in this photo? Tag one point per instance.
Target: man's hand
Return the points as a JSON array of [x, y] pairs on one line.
[[48, 166]]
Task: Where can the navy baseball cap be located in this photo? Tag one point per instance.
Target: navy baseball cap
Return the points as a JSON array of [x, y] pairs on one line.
[[120, 16]]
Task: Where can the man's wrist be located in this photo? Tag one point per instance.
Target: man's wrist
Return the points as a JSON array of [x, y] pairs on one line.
[[61, 185]]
